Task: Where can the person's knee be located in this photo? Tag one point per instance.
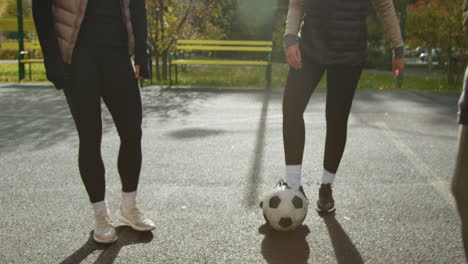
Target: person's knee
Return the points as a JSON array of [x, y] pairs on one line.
[[459, 187], [90, 141], [131, 136], [292, 114]]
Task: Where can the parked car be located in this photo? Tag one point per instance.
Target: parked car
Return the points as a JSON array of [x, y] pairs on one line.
[[435, 55], [419, 50]]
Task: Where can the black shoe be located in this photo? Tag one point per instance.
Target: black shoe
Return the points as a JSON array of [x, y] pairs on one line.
[[325, 202], [302, 191], [283, 183]]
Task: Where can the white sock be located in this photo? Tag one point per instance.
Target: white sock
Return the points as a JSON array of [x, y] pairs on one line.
[[293, 176], [129, 199], [327, 177], [100, 207]]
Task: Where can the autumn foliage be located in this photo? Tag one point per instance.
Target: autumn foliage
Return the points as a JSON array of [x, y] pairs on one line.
[[438, 24]]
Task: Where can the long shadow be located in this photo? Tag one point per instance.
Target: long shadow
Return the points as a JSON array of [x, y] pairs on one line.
[[187, 133], [39, 118], [345, 251], [35, 118], [257, 159], [109, 253], [170, 104], [285, 247]]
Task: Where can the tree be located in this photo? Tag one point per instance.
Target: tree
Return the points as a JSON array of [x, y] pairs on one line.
[[438, 23], [8, 8], [169, 20]]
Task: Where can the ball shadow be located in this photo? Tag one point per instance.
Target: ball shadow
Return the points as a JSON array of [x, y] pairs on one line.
[[285, 247]]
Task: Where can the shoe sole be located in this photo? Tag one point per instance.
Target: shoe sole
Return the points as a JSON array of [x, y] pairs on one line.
[[129, 223], [325, 211], [104, 241]]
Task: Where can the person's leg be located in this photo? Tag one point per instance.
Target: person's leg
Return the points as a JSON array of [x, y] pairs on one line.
[[460, 183], [122, 97], [300, 85], [460, 179], [83, 96], [342, 81]]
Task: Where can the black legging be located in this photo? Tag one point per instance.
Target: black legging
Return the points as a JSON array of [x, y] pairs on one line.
[[341, 85], [107, 73]]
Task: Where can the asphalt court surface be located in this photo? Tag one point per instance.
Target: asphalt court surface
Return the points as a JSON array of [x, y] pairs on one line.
[[208, 156]]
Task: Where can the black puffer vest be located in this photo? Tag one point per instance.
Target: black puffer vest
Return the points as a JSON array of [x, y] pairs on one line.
[[335, 31]]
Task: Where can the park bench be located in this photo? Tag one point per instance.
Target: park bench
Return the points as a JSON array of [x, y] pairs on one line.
[[11, 24], [183, 47], [34, 46]]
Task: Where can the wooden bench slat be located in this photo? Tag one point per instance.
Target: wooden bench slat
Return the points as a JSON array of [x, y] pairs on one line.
[[222, 45], [224, 48], [221, 62], [11, 24], [226, 42], [32, 61]]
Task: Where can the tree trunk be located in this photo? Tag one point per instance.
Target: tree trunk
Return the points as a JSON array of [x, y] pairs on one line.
[[450, 69], [157, 59], [429, 59], [164, 65]]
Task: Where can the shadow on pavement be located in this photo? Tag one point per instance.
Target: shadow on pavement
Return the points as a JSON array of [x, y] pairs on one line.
[[170, 104], [187, 133], [40, 118], [35, 118], [285, 247], [345, 251], [257, 162], [109, 253]]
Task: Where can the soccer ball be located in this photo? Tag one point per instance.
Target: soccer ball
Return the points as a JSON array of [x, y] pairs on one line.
[[284, 209]]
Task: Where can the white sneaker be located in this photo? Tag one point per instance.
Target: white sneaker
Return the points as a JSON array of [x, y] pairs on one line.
[[136, 218], [104, 230]]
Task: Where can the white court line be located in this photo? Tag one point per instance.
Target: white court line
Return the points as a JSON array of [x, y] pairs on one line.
[[440, 186]]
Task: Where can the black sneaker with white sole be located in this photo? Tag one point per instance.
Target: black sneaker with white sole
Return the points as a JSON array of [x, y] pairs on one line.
[[325, 202], [302, 191]]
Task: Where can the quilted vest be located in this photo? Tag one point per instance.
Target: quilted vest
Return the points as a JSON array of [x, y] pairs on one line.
[[68, 15], [335, 31]]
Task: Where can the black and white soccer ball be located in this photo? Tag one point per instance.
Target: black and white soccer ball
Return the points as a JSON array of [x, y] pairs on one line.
[[285, 208]]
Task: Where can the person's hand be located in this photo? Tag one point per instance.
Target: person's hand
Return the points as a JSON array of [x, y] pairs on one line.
[[293, 56], [398, 67], [137, 72]]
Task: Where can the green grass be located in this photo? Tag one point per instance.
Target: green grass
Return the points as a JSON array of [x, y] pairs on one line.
[[383, 82], [9, 72], [254, 77]]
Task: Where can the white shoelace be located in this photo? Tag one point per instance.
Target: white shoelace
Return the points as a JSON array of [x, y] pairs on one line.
[[103, 221]]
